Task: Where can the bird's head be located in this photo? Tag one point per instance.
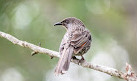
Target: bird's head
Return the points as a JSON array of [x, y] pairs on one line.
[[70, 22]]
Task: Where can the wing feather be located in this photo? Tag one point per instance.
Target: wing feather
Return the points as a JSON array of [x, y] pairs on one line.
[[80, 40]]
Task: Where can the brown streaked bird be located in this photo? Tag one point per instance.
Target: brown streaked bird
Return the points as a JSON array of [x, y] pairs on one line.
[[75, 42]]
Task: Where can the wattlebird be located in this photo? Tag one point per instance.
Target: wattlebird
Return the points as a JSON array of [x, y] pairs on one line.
[[76, 42]]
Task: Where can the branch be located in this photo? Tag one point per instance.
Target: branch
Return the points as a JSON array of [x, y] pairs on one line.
[[129, 75]]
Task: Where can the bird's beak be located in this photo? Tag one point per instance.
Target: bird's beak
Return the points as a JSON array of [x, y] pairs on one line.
[[59, 23]]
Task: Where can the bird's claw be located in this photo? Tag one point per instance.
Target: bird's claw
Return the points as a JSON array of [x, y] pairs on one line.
[[74, 57], [81, 60]]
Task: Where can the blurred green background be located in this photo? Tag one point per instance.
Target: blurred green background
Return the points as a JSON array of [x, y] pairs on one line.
[[113, 24]]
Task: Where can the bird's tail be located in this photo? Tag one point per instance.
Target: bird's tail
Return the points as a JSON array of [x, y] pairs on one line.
[[64, 61]]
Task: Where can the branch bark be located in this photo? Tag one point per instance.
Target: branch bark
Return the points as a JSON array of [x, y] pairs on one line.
[[128, 75]]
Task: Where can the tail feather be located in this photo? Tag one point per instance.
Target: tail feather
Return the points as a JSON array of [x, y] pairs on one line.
[[64, 61]]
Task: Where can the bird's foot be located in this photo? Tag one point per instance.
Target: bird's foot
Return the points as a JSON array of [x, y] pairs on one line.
[[74, 57], [81, 60]]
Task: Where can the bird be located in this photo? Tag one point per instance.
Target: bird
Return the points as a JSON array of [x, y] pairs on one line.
[[76, 42]]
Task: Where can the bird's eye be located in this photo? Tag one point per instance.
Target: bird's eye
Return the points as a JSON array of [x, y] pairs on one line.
[[66, 21]]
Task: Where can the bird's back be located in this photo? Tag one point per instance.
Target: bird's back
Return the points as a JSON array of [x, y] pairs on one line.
[[79, 38]]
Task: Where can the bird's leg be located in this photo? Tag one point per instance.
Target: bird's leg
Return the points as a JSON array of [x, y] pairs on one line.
[[79, 60], [82, 58], [73, 57]]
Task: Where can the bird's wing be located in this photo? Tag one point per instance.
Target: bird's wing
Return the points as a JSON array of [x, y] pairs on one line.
[[80, 39]]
